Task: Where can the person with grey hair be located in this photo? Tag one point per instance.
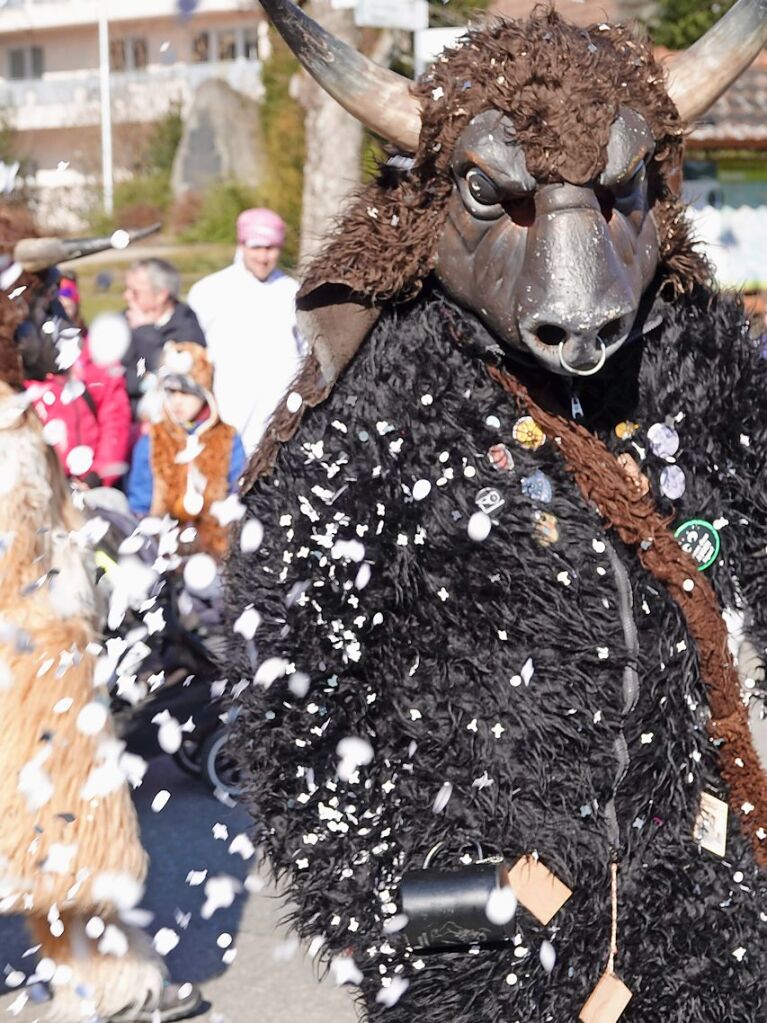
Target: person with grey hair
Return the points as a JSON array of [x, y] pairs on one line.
[[155, 315]]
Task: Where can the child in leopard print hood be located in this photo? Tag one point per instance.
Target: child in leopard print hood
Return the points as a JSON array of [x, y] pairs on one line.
[[189, 459]]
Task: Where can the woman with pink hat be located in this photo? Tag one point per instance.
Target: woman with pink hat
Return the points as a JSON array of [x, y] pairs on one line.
[[247, 312]]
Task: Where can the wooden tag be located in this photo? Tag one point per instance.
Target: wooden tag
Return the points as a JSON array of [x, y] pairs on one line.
[[710, 831], [537, 889], [607, 1001]]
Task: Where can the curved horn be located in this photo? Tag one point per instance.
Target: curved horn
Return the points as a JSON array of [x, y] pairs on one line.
[[699, 75], [39, 253], [380, 98]]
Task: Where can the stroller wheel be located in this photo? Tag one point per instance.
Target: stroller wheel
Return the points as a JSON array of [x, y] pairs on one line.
[[218, 766], [189, 755]]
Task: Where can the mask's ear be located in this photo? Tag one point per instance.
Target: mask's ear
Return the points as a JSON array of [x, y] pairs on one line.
[[334, 322]]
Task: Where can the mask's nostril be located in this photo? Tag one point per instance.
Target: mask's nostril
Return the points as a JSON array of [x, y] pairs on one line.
[[611, 331], [550, 334]]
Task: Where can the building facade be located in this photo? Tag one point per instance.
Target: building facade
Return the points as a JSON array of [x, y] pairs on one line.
[[160, 51]]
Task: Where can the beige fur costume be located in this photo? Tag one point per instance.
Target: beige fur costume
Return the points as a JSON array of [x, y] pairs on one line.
[[69, 841]]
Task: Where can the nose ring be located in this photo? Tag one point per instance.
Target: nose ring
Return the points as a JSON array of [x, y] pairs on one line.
[[582, 372]]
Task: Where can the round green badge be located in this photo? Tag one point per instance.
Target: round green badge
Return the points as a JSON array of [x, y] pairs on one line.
[[700, 540]]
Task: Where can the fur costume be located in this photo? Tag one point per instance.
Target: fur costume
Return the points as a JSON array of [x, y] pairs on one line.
[[427, 660], [71, 859], [461, 654], [206, 474]]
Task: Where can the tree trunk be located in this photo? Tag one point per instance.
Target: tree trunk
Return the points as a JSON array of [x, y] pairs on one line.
[[333, 143]]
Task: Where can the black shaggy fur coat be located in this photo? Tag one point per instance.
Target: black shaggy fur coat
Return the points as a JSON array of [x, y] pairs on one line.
[[497, 666]]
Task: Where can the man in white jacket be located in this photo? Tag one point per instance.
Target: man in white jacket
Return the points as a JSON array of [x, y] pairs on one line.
[[247, 312]]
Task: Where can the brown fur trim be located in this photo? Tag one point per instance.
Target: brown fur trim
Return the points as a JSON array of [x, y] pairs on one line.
[[635, 519], [189, 359], [170, 479], [561, 85]]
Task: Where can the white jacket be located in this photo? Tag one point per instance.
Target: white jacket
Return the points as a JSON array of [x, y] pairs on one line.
[[250, 327]]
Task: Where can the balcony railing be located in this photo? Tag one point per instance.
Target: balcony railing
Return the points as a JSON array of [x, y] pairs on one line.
[[61, 101]]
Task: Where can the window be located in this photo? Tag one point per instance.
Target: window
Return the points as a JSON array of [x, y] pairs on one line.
[[227, 45], [16, 64], [128, 54], [25, 62], [117, 54], [251, 44], [140, 52], [201, 48]]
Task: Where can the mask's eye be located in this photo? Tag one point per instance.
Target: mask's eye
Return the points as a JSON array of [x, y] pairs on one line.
[[482, 188], [630, 185]]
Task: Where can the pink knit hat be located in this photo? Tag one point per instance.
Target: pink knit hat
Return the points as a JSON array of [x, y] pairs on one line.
[[260, 227]]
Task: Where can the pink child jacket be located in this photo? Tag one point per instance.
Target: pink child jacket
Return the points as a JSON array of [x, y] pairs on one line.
[[97, 421]]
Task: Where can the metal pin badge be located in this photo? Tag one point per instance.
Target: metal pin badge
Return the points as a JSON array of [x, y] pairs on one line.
[[672, 482], [528, 434], [663, 440], [500, 458], [489, 500], [537, 486], [700, 540]]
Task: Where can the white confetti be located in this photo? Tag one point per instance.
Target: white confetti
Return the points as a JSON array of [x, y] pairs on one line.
[[55, 432], [391, 994], [352, 550], [120, 239], [344, 970], [353, 753], [251, 536], [299, 683], [169, 735], [200, 573], [247, 623], [294, 401], [108, 338], [243, 846], [443, 797], [160, 800], [220, 893], [79, 460], [35, 784], [548, 956], [646, 738], [165, 940], [270, 670], [230, 510], [739, 953], [501, 906], [92, 718], [479, 526], [395, 923], [363, 577], [121, 890], [421, 489], [59, 858], [114, 942]]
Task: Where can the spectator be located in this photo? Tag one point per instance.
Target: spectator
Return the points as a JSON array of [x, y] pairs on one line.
[[155, 315], [247, 311], [190, 458], [83, 404]]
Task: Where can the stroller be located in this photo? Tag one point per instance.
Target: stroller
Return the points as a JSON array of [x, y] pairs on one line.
[[165, 648]]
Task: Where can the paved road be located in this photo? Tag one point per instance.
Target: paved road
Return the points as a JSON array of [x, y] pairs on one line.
[[269, 979]]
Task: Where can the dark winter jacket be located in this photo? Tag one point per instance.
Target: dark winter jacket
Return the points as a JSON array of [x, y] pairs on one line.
[[487, 675], [145, 349]]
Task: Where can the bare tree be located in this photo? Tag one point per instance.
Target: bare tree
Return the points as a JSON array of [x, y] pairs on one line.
[[333, 141]]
